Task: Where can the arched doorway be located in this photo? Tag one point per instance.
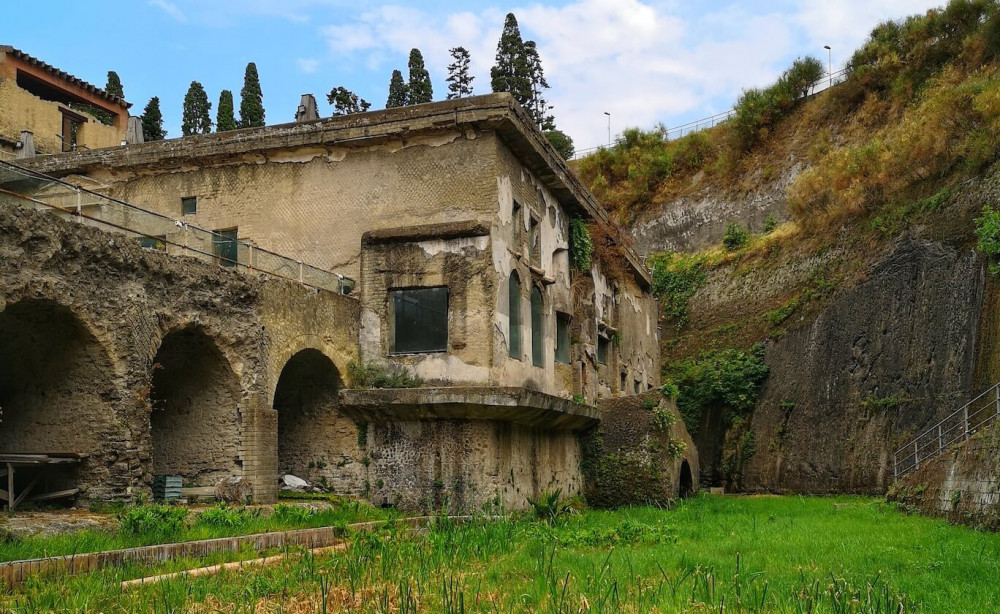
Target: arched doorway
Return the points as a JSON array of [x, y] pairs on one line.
[[194, 423], [686, 481], [56, 393], [311, 432]]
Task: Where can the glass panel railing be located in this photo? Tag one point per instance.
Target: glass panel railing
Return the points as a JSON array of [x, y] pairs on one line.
[[155, 231]]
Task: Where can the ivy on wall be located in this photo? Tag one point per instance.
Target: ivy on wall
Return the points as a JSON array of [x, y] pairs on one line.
[[581, 245]]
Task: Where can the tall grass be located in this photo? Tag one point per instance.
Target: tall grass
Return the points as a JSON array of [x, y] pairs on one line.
[[765, 554]]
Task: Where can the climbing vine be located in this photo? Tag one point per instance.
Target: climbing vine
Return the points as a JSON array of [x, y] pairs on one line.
[[581, 245]]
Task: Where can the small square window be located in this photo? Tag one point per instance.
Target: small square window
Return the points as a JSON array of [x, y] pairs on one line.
[[189, 205], [562, 337], [602, 350], [419, 320], [156, 243]]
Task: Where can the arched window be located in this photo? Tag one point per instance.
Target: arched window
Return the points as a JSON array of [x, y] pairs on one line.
[[537, 341], [514, 309]]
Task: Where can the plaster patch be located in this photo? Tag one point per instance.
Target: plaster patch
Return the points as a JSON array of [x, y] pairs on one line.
[[450, 367], [434, 247], [436, 140], [300, 156], [370, 335]]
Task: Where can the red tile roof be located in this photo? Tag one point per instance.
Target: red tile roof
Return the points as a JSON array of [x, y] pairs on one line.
[[52, 70]]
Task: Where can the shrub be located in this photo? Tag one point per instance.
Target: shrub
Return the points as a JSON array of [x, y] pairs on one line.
[[758, 111], [988, 236], [224, 516], [729, 377], [549, 507], [675, 280], [374, 375], [292, 514], [736, 236], [152, 520]]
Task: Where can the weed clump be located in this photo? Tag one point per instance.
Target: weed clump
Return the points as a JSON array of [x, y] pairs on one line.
[[988, 237], [158, 521], [369, 375]]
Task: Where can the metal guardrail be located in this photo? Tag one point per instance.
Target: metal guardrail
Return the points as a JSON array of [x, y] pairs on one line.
[[828, 81], [155, 231], [956, 427]]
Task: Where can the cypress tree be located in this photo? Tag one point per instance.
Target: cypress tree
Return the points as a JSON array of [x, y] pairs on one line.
[[224, 118], [459, 79], [346, 102], [251, 99], [397, 91], [196, 117], [537, 106], [420, 89], [511, 72], [114, 86], [152, 121]]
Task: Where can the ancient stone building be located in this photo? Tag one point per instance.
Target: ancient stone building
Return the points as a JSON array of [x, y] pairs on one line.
[[47, 110], [454, 218]]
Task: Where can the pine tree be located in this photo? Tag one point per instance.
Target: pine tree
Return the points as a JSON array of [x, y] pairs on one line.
[[196, 117], [511, 72], [562, 143], [251, 99], [419, 89], [346, 102], [225, 119], [537, 106], [459, 79], [114, 86], [152, 121], [397, 91]]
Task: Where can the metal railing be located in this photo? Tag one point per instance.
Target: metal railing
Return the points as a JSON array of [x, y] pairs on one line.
[[828, 81], [956, 427], [155, 231]]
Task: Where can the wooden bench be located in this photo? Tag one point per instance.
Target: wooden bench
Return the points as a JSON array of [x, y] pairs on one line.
[[10, 462]]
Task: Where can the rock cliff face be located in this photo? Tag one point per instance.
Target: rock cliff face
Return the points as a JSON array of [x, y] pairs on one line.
[[901, 335], [882, 361]]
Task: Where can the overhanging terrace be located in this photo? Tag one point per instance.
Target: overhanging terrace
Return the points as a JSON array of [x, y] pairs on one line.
[[515, 405], [405, 125]]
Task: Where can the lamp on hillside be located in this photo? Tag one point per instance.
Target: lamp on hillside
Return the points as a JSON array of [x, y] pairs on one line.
[[609, 128], [829, 59]]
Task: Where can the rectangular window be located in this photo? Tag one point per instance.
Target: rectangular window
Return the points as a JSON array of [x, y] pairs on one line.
[[71, 123], [419, 320], [225, 247], [157, 243], [602, 350], [562, 337], [189, 205]]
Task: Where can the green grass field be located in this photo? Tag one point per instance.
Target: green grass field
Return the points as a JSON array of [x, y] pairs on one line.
[[710, 554]]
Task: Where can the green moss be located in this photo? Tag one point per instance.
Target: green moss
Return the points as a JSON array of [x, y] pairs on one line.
[[676, 278]]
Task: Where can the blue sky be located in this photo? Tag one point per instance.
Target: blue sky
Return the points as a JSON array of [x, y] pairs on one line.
[[644, 61]]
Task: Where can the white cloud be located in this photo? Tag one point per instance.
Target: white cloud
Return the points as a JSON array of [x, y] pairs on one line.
[[170, 9], [643, 61], [307, 65]]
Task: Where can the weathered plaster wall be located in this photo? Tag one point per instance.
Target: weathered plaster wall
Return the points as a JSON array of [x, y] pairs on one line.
[[315, 203]]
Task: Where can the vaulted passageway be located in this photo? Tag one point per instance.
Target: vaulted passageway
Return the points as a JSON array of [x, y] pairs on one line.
[[306, 401], [195, 420]]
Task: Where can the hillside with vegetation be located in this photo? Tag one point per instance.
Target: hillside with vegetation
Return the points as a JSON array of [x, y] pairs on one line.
[[830, 299]]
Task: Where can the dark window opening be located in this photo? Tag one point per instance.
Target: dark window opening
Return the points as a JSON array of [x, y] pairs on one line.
[[71, 123], [537, 338], [602, 350], [624, 379], [53, 93], [535, 242], [157, 243], [517, 218], [562, 337], [225, 247], [638, 386], [514, 309], [419, 320], [189, 205]]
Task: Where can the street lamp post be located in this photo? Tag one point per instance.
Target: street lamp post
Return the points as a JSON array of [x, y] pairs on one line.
[[829, 59], [609, 128]]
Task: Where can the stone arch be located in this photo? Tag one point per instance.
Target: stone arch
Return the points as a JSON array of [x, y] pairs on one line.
[[57, 392], [195, 419], [685, 482], [306, 403]]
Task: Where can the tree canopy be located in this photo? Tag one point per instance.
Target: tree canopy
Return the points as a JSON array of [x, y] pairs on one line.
[[346, 102], [114, 86], [397, 91], [225, 119], [251, 99], [152, 121], [196, 118], [518, 70], [419, 89], [459, 79]]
